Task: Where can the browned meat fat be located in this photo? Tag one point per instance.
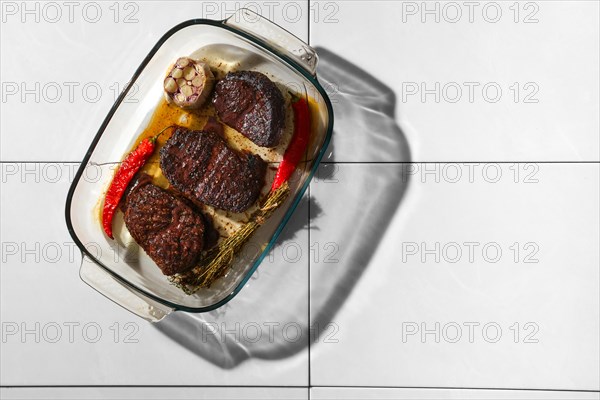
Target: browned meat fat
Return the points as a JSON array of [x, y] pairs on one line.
[[253, 105], [166, 227], [200, 165]]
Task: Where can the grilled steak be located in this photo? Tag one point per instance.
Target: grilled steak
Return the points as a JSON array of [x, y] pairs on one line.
[[250, 103], [140, 179], [166, 227], [200, 165]]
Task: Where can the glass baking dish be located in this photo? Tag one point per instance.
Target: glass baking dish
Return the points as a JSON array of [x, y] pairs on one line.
[[119, 269]]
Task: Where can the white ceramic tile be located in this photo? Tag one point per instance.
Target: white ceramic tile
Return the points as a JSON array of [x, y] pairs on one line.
[[155, 393], [554, 62], [66, 70], [42, 297], [435, 394], [391, 270], [365, 127]]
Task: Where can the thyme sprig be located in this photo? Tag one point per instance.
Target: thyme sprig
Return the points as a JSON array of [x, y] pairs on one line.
[[219, 259]]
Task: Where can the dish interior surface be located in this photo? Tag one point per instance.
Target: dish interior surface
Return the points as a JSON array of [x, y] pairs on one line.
[[123, 257]]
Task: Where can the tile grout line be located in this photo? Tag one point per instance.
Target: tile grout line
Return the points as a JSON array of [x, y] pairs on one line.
[[455, 388], [302, 387]]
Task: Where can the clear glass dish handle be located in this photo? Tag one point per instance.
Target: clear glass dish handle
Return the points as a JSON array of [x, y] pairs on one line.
[[263, 29], [128, 298]]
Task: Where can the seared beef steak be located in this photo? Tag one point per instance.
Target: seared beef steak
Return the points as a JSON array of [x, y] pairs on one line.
[[201, 165], [167, 228], [140, 179], [250, 103]]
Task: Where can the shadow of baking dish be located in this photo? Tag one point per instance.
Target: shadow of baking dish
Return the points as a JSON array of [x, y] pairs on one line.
[[359, 187]]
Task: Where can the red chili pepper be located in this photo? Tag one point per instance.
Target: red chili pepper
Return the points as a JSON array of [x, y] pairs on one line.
[[128, 168], [298, 144]]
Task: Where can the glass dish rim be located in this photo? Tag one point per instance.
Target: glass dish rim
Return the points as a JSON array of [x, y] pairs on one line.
[[266, 46]]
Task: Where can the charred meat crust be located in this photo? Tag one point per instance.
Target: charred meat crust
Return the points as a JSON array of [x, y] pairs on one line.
[[200, 165], [211, 235], [251, 103], [166, 227], [140, 179]]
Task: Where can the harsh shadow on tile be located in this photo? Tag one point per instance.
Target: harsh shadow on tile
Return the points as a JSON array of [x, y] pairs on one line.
[[270, 318]]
